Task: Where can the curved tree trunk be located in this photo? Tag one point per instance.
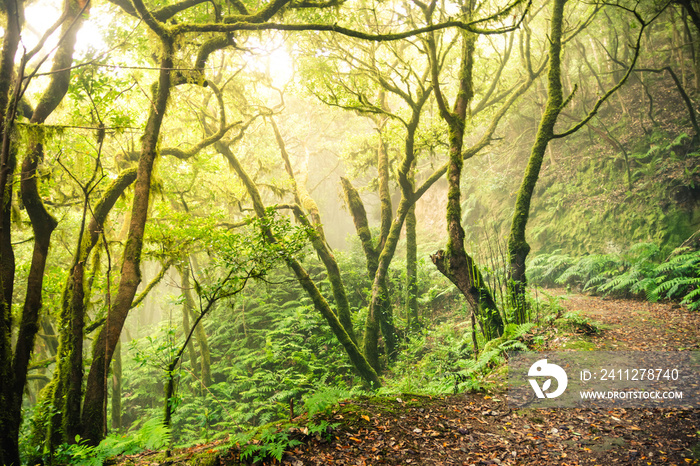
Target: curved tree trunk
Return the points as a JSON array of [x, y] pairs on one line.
[[379, 258], [318, 240], [385, 316], [412, 267], [117, 388], [518, 248], [186, 313], [43, 223], [9, 448], [65, 417], [199, 332]]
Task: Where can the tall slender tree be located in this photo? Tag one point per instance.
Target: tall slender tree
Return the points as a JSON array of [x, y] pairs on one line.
[[518, 248]]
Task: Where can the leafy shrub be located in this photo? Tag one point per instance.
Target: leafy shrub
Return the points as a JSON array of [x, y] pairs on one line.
[[589, 272], [153, 435], [326, 397], [265, 443], [678, 278], [546, 268], [581, 323]]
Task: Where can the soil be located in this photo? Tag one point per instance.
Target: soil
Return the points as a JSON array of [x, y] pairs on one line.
[[480, 429], [639, 325]]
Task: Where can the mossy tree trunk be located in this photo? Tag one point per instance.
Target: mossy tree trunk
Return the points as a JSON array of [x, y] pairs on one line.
[[42, 222], [378, 299], [518, 248], [94, 408], [14, 15], [359, 216], [383, 319], [453, 261], [188, 310], [385, 316], [379, 256], [412, 266], [117, 388], [103, 348], [354, 203], [67, 377]]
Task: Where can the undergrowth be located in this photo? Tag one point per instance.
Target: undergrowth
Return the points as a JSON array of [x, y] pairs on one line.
[[152, 435], [276, 367], [637, 272]]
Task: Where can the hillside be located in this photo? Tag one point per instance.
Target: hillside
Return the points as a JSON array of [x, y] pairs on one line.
[[585, 202]]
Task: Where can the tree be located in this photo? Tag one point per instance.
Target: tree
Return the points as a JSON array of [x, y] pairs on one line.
[[518, 248], [14, 365], [453, 261], [365, 370], [379, 73]]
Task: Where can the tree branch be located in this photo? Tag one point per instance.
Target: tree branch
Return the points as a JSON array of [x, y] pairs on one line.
[[253, 24]]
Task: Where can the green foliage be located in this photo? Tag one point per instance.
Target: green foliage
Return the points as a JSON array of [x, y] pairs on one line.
[[441, 361], [268, 346], [152, 435], [590, 271], [95, 88], [265, 443], [492, 356], [678, 278], [544, 269], [582, 203], [158, 350], [580, 323], [635, 272], [638, 264], [326, 397]]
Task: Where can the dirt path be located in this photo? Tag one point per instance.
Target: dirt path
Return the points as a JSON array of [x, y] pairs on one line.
[[639, 326]]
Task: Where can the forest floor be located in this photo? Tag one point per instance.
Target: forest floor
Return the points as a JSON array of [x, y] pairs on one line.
[[480, 429]]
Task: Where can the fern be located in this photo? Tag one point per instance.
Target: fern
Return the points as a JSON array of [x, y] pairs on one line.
[[544, 269], [590, 267], [681, 263], [692, 300], [676, 287], [645, 285], [323, 398], [153, 435], [621, 284], [514, 331], [596, 282]]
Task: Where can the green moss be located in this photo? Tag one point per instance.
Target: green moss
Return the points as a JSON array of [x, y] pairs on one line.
[[590, 210], [580, 345], [392, 405]]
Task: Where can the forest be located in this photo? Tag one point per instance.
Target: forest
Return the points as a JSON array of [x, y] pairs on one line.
[[312, 231]]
